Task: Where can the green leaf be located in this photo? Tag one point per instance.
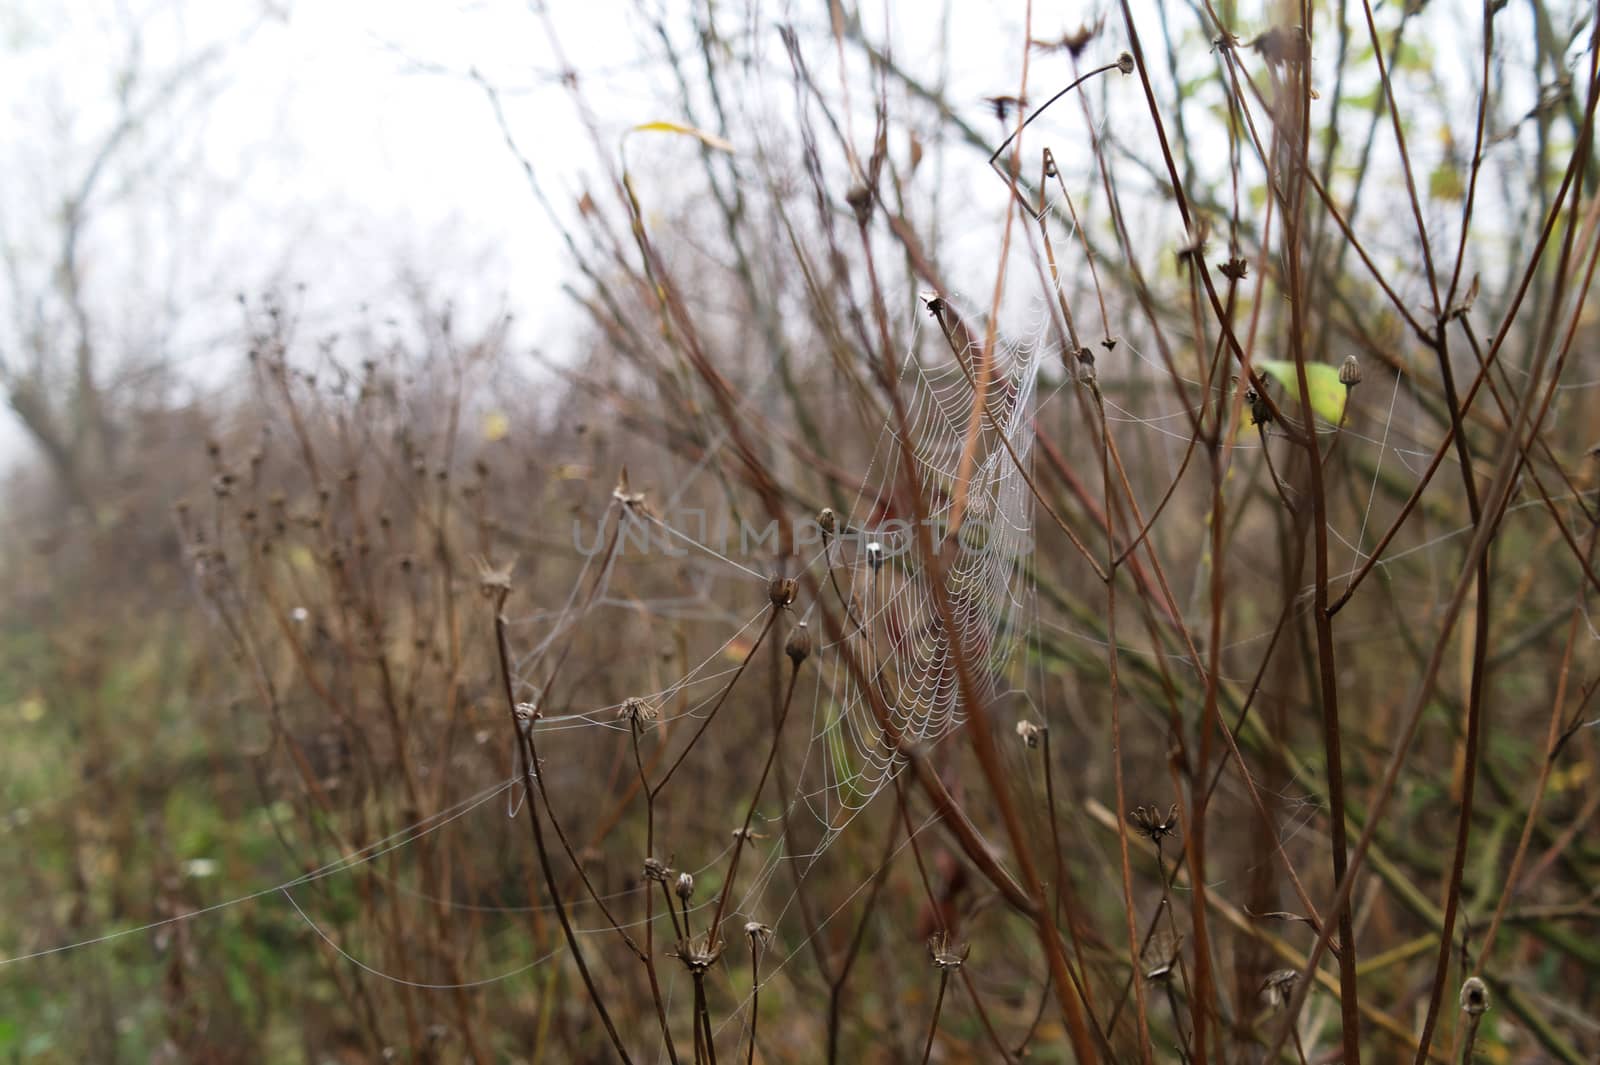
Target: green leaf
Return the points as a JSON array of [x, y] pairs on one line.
[[1327, 394]]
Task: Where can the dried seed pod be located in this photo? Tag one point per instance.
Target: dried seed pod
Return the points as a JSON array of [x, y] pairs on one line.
[[875, 556], [1125, 62], [827, 520], [1153, 824], [655, 869], [1474, 997], [1350, 372], [799, 646], [781, 591], [685, 886], [1029, 733], [860, 200]]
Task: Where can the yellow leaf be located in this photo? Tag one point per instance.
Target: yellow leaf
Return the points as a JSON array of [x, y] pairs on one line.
[[710, 140], [1322, 380], [496, 426]]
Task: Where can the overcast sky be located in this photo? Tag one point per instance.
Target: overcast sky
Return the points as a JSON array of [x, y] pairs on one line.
[[342, 144]]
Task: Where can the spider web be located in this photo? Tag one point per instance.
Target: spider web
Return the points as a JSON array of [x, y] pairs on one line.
[[969, 457]]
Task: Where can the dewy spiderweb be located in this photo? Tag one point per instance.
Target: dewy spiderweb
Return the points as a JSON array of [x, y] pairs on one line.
[[969, 457]]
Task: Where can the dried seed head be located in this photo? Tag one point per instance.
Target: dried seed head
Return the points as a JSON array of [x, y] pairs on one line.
[[527, 714], [1278, 987], [1350, 372], [758, 932], [781, 590], [699, 953], [1001, 105], [1283, 44], [827, 520], [799, 646], [636, 711], [1474, 997], [1125, 63], [1153, 824], [685, 886], [494, 581], [1234, 269], [860, 200], [1260, 412], [875, 556], [946, 955], [1030, 733], [656, 869]]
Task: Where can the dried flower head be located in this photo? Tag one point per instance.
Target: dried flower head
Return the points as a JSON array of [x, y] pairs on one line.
[[875, 555], [827, 520], [1153, 824], [1260, 410], [758, 932], [1278, 987], [494, 581], [698, 953], [799, 646], [1350, 372], [781, 590], [946, 955], [1474, 997], [1029, 733], [1125, 62], [685, 886], [860, 200], [636, 711], [1234, 269], [526, 714], [657, 870], [1283, 44], [1073, 42], [1001, 105]]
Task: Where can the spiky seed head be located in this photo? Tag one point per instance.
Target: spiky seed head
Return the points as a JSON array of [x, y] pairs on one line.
[[1125, 62], [1350, 372], [636, 711], [799, 646], [685, 886], [1474, 997], [1154, 825], [494, 581], [1029, 733], [945, 954]]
